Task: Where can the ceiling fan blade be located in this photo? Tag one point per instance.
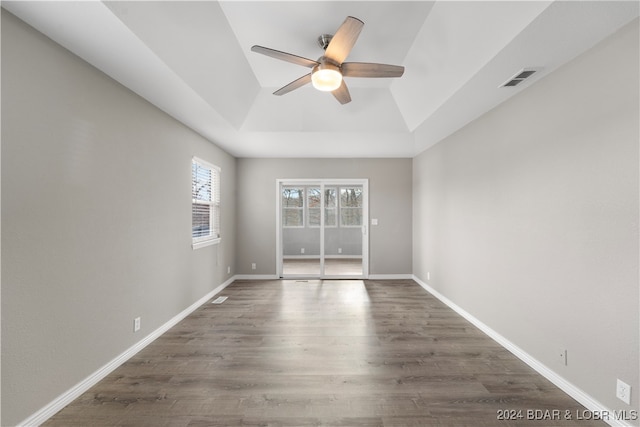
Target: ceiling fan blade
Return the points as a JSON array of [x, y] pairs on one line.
[[284, 56], [342, 94], [344, 39], [294, 85], [367, 69]]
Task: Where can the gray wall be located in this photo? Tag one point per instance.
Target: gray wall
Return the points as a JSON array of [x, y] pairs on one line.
[[389, 202], [527, 218], [96, 220]]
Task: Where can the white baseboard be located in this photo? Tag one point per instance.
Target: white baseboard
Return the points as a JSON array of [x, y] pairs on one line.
[[583, 398], [341, 256], [74, 392], [276, 277], [390, 276]]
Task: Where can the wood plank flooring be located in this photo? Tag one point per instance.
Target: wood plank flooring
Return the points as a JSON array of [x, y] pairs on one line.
[[322, 353]]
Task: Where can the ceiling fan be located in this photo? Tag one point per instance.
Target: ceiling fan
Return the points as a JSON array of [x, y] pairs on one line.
[[328, 71]]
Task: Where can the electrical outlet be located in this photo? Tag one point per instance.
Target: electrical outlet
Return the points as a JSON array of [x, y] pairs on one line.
[[228, 269], [136, 324], [562, 354], [623, 392], [253, 265], [339, 250], [301, 250]]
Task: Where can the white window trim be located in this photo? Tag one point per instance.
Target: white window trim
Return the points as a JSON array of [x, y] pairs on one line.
[[201, 242], [204, 243]]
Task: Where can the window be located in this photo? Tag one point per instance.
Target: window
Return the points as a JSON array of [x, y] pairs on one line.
[[330, 207], [293, 207], [351, 206], [205, 203], [313, 206], [301, 206]]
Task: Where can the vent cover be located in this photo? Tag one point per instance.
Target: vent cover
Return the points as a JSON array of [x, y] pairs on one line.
[[514, 82], [219, 300], [520, 76]]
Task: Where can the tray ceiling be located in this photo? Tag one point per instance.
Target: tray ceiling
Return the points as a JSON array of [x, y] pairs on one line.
[[192, 59]]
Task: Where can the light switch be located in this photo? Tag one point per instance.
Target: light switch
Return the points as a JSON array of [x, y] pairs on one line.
[[374, 221]]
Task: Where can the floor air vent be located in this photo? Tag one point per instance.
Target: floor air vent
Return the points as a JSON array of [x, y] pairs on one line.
[[521, 76], [219, 300]]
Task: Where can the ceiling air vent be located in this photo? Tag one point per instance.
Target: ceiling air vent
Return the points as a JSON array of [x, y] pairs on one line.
[[521, 76]]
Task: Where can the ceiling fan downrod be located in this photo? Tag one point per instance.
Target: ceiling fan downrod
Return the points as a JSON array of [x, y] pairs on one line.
[[324, 40]]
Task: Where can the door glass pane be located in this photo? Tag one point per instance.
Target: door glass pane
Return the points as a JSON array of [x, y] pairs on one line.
[[330, 207], [343, 241], [300, 230]]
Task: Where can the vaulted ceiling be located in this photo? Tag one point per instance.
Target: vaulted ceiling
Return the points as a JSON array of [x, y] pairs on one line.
[[192, 59]]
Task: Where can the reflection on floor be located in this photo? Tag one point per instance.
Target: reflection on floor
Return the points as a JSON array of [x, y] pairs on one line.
[[332, 267]]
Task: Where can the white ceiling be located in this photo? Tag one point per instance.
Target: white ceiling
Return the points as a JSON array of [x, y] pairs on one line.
[[192, 59]]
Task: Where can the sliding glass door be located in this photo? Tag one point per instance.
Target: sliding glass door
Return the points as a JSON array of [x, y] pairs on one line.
[[322, 228]]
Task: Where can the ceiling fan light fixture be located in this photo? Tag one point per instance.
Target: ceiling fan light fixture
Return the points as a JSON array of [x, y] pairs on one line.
[[327, 72], [326, 77]]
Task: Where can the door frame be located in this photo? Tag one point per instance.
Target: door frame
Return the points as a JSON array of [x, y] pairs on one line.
[[364, 182]]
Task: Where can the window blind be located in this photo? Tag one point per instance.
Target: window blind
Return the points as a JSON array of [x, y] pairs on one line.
[[205, 197]]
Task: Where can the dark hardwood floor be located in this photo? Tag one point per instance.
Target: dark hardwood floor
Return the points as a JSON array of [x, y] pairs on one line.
[[323, 353]]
